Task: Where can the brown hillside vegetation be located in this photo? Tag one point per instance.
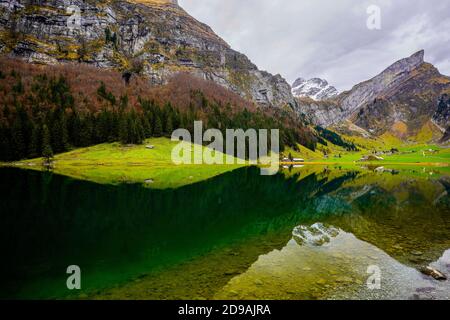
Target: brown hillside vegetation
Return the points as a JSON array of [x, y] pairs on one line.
[[84, 81], [47, 109]]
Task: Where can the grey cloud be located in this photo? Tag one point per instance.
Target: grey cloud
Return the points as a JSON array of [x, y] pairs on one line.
[[329, 38]]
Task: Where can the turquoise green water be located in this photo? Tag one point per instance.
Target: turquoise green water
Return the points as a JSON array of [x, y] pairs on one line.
[[237, 229]]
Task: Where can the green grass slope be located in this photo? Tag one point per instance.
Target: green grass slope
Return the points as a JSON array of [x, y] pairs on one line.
[[114, 163]]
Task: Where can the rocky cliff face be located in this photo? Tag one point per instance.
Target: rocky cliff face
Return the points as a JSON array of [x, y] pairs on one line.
[[441, 117], [322, 113], [406, 106], [401, 100], [156, 38], [385, 82], [316, 89]]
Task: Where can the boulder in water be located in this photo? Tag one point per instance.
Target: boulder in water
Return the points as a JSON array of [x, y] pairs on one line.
[[436, 274]]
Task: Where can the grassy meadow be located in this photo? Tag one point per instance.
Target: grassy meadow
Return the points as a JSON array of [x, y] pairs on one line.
[[409, 153], [114, 163]]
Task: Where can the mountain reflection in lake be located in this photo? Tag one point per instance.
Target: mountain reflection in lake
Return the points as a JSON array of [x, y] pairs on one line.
[[228, 237]]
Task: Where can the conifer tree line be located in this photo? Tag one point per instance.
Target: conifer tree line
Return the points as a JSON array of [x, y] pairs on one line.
[[327, 135], [48, 121]]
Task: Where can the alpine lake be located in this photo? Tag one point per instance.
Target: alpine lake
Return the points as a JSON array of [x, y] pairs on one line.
[[312, 232]]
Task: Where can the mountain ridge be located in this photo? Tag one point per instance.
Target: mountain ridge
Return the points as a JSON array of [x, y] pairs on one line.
[[401, 100], [391, 76], [155, 38]]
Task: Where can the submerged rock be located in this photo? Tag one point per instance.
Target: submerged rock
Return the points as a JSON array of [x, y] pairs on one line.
[[436, 274]]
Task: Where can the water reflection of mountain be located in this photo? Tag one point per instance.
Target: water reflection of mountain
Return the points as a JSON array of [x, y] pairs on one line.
[[407, 218], [118, 232]]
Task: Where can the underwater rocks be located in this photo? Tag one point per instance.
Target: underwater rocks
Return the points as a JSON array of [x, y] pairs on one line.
[[434, 273]]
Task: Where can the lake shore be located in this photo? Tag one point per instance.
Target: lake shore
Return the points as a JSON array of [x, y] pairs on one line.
[[151, 164]]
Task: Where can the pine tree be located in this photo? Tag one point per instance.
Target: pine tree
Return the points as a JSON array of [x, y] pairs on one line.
[[177, 120], [33, 147], [123, 104], [133, 135], [146, 127], [114, 127], [86, 131], [157, 128], [135, 129], [6, 111], [47, 151], [151, 121], [140, 130], [74, 129], [18, 87], [5, 144], [59, 133], [17, 139], [169, 126], [102, 127], [123, 128], [64, 133], [107, 95]]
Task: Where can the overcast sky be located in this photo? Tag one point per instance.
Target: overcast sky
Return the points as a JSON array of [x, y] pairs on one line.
[[329, 38]]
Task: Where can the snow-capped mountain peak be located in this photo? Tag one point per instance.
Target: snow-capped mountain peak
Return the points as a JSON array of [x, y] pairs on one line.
[[315, 88]]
